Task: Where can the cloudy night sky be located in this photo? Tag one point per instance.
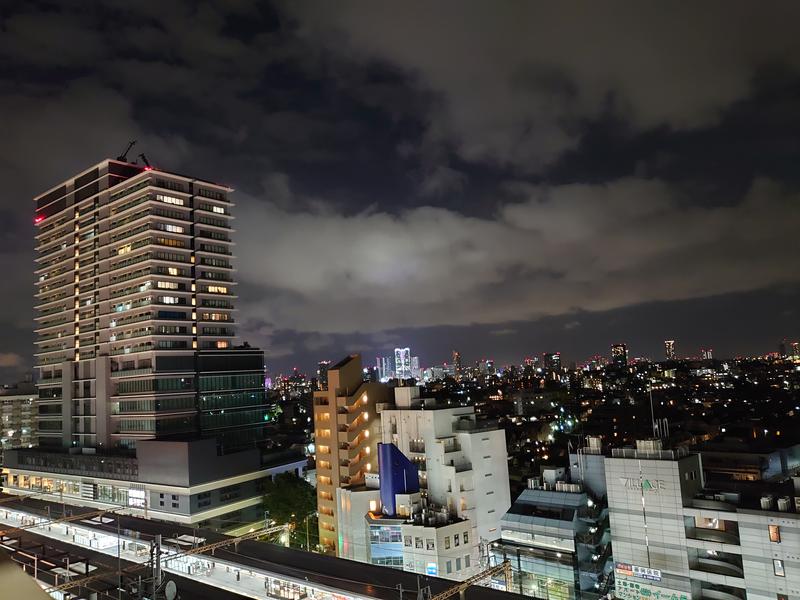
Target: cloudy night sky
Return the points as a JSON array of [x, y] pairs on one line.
[[504, 178]]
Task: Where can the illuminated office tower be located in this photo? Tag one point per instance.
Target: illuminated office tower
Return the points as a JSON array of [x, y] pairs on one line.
[[457, 363], [669, 349], [619, 355], [402, 363]]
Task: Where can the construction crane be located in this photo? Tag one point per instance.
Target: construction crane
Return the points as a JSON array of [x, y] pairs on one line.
[[124, 156], [191, 551], [461, 588]]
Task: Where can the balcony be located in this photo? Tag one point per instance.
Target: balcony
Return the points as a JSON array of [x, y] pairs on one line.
[[451, 446], [712, 535], [718, 567], [722, 592], [416, 447], [719, 563]]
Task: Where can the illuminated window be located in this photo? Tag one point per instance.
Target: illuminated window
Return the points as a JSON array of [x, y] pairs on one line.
[[169, 299], [167, 285], [173, 270], [218, 289], [774, 534], [124, 249], [172, 228], [222, 344], [373, 505], [777, 567], [218, 209], [171, 199]]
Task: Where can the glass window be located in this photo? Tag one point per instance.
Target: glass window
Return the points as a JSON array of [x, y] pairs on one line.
[[466, 538], [456, 540], [774, 533], [777, 567], [458, 564], [418, 542], [429, 544], [466, 561], [407, 541], [449, 566]]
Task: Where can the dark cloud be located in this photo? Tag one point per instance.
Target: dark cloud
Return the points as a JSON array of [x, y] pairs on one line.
[[434, 174]]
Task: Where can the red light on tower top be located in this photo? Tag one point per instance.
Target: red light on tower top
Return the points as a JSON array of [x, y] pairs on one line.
[[38, 219]]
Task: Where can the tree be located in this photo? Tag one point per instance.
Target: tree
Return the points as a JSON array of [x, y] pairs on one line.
[[290, 499]]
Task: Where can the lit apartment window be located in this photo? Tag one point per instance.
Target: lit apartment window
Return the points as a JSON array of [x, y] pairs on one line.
[[172, 228], [775, 534], [777, 567], [167, 285], [173, 271], [171, 199], [222, 344], [169, 299], [217, 289], [218, 209]]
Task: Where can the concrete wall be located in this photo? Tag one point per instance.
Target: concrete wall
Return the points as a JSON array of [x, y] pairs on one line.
[[182, 463]]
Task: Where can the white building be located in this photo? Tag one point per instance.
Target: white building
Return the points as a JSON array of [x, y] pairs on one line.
[[463, 464], [420, 539], [677, 540]]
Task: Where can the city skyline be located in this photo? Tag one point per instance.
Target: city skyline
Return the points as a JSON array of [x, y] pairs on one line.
[[564, 198]]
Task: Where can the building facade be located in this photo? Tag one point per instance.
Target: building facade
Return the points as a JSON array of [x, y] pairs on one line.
[[676, 538], [402, 363], [347, 431], [17, 417], [462, 462], [135, 333], [134, 282]]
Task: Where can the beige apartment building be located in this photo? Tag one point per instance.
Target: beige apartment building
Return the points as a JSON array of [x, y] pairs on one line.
[[347, 432]]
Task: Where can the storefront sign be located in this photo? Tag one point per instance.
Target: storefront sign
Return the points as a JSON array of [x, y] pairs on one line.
[[633, 590], [645, 485], [630, 570]]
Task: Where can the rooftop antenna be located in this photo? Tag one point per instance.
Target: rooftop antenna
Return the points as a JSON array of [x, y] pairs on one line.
[[124, 156], [145, 161]]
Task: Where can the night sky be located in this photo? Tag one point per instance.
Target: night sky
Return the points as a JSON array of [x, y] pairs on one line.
[[504, 178]]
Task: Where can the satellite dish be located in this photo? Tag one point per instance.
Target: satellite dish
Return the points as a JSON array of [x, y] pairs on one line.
[[170, 590]]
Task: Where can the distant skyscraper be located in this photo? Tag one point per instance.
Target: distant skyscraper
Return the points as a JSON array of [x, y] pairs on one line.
[[669, 349], [619, 355], [402, 363], [322, 374], [415, 367], [706, 353], [457, 363], [552, 361]]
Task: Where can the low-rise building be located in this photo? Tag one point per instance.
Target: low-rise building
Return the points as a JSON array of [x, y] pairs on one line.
[[17, 417], [186, 482]]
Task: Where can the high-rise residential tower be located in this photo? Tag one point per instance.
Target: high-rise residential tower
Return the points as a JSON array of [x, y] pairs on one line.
[[135, 343], [135, 299]]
